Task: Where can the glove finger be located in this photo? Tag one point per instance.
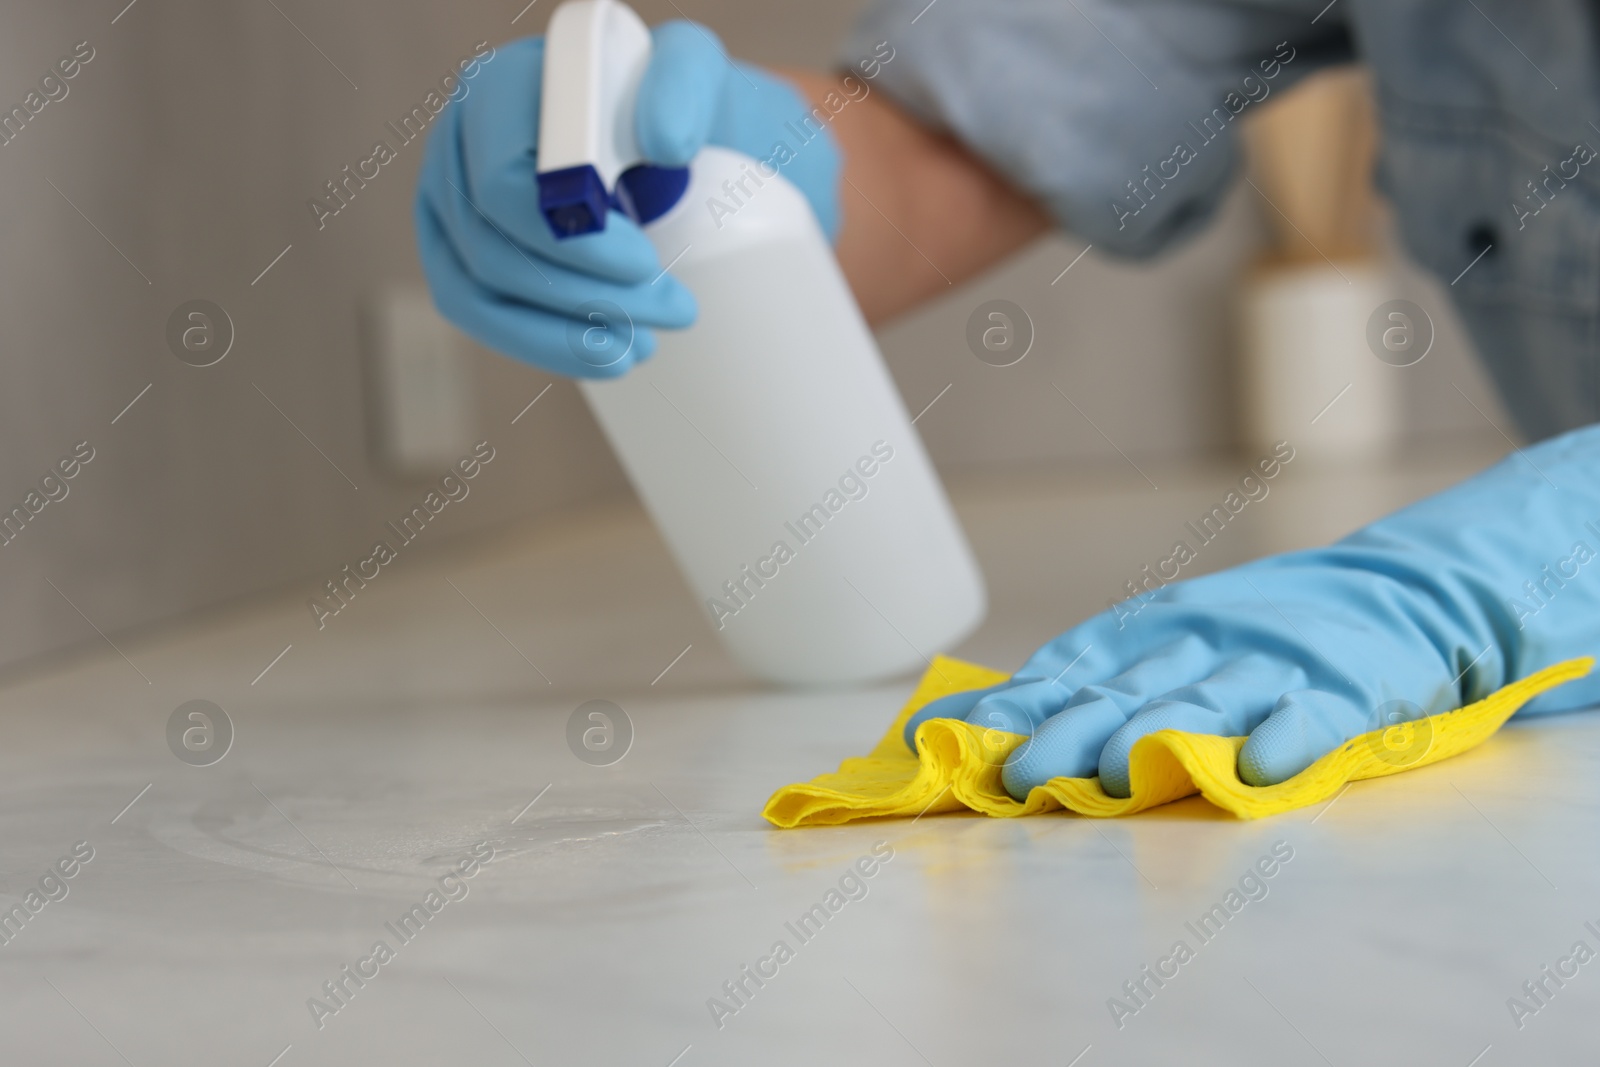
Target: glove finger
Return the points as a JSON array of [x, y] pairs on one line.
[[1096, 653], [1230, 703], [519, 330], [679, 93], [1305, 725], [492, 136], [766, 117], [505, 270], [954, 706], [1075, 659], [1032, 696], [492, 258], [1020, 708], [1068, 743]]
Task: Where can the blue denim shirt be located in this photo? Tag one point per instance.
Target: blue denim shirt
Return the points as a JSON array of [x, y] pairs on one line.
[[1118, 115]]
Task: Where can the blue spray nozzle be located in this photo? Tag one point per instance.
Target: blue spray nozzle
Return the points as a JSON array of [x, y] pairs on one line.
[[574, 200]]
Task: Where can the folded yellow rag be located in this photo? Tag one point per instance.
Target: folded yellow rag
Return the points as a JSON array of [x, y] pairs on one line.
[[957, 765]]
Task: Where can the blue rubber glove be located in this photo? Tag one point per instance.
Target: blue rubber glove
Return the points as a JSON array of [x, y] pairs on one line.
[[496, 269], [1433, 607]]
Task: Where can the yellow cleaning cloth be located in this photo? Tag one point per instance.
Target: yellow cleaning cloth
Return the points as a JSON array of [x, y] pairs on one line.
[[959, 763]]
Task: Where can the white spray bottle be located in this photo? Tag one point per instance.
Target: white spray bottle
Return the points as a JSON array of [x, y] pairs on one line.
[[767, 441]]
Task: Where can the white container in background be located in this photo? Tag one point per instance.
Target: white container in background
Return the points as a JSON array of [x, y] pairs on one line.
[[1307, 375], [772, 421]]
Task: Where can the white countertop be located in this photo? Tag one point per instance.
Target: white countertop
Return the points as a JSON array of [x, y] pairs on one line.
[[374, 755]]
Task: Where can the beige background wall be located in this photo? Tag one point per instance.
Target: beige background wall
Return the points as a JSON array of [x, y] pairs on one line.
[[191, 143]]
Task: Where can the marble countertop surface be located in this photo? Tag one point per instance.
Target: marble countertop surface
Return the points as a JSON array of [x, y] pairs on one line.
[[403, 776]]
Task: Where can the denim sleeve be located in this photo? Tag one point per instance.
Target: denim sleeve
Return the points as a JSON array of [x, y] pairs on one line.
[[1117, 115]]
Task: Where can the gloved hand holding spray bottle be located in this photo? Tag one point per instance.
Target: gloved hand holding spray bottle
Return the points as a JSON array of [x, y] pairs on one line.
[[766, 439]]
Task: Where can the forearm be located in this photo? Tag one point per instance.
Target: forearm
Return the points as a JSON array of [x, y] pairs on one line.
[[919, 212], [1507, 557]]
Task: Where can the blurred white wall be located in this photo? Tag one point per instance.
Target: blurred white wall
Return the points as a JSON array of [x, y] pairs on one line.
[[179, 165]]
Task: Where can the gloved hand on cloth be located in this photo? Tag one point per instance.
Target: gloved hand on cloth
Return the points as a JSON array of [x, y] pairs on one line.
[[1424, 611], [1429, 610]]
